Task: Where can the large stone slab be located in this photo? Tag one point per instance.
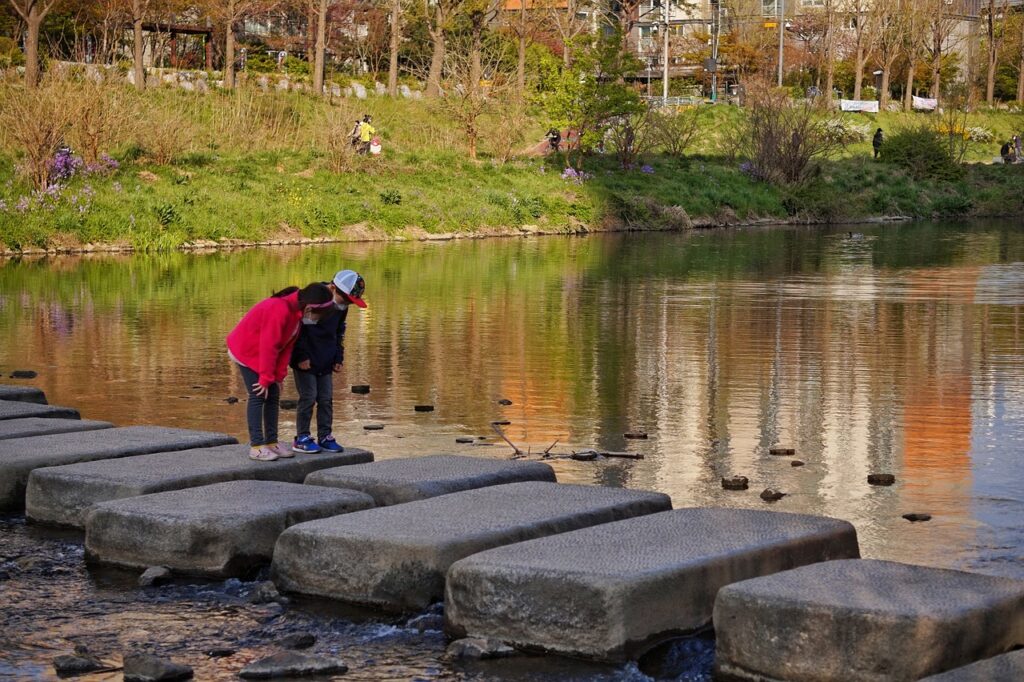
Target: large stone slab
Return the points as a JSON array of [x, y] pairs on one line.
[[395, 481], [215, 530], [1006, 668], [25, 394], [62, 495], [42, 426], [20, 456], [16, 409], [864, 620], [396, 557], [612, 591]]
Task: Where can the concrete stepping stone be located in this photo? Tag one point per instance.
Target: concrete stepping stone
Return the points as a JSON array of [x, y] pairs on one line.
[[42, 426], [612, 591], [16, 409], [63, 494], [20, 456], [25, 394], [395, 481], [217, 530], [864, 620], [1006, 668], [396, 557]]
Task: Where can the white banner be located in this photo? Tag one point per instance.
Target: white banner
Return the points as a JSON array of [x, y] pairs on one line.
[[925, 103], [869, 106]]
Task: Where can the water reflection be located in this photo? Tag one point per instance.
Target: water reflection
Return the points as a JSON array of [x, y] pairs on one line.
[[892, 349]]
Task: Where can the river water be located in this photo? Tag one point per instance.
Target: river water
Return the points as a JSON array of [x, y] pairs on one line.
[[893, 349]]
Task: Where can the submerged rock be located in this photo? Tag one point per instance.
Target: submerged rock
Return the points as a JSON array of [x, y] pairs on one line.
[[881, 479], [505, 401], [423, 408], [148, 668], [796, 463], [220, 652], [735, 483], [771, 495], [373, 427], [24, 374], [635, 435], [361, 389], [477, 648], [427, 621], [465, 439], [231, 400], [292, 664], [265, 593], [916, 517], [289, 404], [298, 640], [782, 452], [154, 575], [68, 665]]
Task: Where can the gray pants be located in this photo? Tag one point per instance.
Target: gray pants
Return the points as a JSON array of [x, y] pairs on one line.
[[261, 412], [314, 389]]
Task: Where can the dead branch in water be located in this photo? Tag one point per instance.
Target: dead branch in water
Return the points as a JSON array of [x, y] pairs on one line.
[[517, 451]]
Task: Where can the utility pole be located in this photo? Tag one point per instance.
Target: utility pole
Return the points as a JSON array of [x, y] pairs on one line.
[[716, 20], [664, 72], [782, 33]]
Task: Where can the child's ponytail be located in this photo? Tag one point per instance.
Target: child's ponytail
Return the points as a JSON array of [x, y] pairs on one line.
[[284, 292]]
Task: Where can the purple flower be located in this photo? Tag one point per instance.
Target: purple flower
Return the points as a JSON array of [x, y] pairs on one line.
[[647, 169], [64, 165], [22, 205]]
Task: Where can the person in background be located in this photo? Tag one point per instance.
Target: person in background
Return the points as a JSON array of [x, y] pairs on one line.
[[1006, 151], [1017, 148], [317, 356], [261, 345], [354, 135], [366, 133], [876, 142]]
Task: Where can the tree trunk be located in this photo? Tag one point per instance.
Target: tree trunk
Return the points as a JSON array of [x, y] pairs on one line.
[[858, 76], [140, 71], [908, 91], [990, 77], [521, 63], [1020, 77], [321, 48], [883, 95], [33, 22], [475, 71], [433, 88], [396, 41], [936, 73], [830, 60], [229, 53]]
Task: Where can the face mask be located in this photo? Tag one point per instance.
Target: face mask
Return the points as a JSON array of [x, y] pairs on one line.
[[341, 306], [307, 318]]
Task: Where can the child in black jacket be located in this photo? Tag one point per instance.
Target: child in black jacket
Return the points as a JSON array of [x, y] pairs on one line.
[[318, 354]]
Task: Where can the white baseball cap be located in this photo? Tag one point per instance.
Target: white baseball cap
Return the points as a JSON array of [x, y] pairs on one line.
[[351, 285]]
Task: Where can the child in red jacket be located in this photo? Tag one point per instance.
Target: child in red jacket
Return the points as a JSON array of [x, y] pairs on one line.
[[261, 345]]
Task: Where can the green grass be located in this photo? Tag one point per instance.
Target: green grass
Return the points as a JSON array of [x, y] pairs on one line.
[[277, 182]]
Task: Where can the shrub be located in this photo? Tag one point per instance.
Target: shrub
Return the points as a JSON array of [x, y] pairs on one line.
[[784, 137], [846, 132], [37, 121], [979, 134], [923, 152], [675, 131], [391, 197]]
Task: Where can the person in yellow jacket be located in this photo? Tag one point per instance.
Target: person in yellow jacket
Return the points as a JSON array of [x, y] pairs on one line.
[[366, 133]]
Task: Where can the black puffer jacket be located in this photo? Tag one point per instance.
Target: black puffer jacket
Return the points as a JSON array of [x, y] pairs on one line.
[[323, 343]]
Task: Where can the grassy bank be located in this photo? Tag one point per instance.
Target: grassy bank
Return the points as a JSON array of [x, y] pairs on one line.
[[252, 167]]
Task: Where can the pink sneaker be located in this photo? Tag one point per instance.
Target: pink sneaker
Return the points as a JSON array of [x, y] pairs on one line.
[[281, 452], [261, 453]]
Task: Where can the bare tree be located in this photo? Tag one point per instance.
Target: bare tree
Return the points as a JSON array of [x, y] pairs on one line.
[[940, 25], [464, 100], [865, 38], [996, 33], [139, 10], [890, 24], [394, 43], [566, 21], [439, 14], [524, 27], [32, 12], [229, 13], [913, 46], [321, 45]]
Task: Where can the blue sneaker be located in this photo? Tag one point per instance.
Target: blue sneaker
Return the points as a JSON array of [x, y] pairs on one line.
[[330, 445], [305, 444]]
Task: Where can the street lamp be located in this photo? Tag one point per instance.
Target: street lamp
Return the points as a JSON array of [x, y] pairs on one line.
[[782, 32]]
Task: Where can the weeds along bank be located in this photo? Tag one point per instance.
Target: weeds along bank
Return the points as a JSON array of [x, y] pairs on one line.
[[164, 168]]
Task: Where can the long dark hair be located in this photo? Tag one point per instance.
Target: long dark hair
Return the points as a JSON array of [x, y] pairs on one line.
[[316, 293], [284, 292]]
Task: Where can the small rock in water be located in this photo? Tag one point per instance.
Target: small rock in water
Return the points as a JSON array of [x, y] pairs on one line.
[[796, 463], [292, 664], [373, 427], [427, 621], [735, 483], [501, 422], [289, 404], [771, 495], [465, 439], [423, 408], [147, 668], [77, 665], [881, 479], [231, 400], [154, 575], [915, 517], [635, 435], [505, 401], [265, 593], [477, 648], [585, 456], [23, 374], [361, 389], [782, 452], [220, 652], [298, 640]]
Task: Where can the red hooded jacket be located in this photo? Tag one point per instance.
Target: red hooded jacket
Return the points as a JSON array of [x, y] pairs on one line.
[[263, 339]]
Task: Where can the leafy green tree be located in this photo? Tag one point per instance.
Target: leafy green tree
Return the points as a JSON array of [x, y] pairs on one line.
[[591, 93]]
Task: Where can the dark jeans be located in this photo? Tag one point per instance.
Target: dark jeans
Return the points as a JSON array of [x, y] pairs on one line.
[[261, 412], [319, 390]]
